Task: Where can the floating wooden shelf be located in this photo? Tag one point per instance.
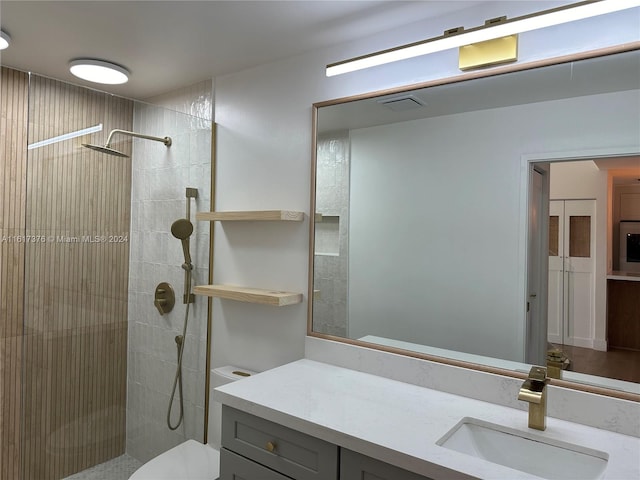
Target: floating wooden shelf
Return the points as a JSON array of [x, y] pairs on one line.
[[251, 295], [252, 215]]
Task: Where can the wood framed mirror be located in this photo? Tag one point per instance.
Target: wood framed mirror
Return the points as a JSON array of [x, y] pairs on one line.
[[433, 236]]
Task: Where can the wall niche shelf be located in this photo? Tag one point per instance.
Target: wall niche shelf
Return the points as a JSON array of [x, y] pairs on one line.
[[251, 215], [251, 295], [321, 217]]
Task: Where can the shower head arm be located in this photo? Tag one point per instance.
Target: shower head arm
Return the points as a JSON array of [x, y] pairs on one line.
[[165, 140]]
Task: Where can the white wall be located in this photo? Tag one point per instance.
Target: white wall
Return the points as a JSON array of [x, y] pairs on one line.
[[264, 157], [159, 178], [575, 180]]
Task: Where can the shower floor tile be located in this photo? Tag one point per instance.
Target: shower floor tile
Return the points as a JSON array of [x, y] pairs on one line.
[[119, 468]]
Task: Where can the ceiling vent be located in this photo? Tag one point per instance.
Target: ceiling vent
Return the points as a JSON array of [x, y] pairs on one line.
[[402, 103]]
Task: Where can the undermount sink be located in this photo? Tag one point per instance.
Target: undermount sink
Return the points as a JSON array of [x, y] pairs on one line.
[[524, 451]]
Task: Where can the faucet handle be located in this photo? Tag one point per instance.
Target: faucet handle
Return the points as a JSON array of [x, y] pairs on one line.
[[538, 374], [533, 388]]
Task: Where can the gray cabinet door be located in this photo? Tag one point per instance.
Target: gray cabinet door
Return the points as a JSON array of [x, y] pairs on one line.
[[235, 467], [354, 466], [279, 448]]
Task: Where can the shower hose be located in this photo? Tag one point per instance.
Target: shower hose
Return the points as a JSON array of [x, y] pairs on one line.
[[177, 381]]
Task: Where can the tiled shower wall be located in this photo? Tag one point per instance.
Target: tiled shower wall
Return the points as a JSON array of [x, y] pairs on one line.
[[331, 260], [160, 176]]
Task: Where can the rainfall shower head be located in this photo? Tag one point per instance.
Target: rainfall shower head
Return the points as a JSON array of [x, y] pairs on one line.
[[106, 148], [182, 230]]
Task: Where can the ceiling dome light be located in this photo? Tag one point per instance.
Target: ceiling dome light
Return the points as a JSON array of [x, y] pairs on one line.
[[4, 40], [99, 71]]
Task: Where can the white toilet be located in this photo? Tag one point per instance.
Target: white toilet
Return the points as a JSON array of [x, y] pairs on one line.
[[192, 460]]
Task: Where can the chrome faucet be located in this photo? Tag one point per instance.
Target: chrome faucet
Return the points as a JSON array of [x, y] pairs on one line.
[[534, 391]]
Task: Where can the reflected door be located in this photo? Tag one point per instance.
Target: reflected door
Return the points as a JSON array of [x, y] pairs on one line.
[[571, 317], [536, 326]]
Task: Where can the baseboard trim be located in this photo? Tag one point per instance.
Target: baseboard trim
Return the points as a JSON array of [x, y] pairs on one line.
[[600, 345]]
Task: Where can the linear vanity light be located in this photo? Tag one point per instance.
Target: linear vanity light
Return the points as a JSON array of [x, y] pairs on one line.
[[493, 29], [5, 39]]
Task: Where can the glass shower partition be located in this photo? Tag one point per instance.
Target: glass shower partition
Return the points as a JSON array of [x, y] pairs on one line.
[[98, 359]]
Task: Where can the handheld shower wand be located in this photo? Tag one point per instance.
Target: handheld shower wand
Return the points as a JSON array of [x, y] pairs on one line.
[[182, 230]]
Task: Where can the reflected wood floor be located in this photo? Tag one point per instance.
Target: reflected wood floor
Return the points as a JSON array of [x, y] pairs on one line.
[[615, 363]]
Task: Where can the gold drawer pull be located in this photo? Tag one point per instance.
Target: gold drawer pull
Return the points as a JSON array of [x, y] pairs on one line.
[[271, 446]]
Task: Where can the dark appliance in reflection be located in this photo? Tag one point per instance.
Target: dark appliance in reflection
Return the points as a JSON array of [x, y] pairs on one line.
[[630, 246]]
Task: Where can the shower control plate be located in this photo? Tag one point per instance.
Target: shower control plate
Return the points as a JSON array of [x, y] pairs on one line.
[[164, 298]]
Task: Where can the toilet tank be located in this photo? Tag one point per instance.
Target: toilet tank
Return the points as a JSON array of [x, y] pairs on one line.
[[221, 376]]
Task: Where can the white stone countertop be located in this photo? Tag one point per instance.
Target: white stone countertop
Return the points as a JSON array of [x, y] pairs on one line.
[[400, 423]]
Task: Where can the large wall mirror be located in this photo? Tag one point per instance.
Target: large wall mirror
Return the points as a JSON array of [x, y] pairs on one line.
[[476, 220]]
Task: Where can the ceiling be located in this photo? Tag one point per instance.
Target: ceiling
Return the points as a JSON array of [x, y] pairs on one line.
[[171, 44]]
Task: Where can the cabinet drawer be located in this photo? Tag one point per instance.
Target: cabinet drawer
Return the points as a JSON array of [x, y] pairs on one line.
[[287, 451], [354, 466], [235, 467]]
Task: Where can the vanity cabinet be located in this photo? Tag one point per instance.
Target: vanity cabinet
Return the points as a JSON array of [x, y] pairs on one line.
[[256, 449], [237, 467], [354, 466], [623, 312], [288, 452]]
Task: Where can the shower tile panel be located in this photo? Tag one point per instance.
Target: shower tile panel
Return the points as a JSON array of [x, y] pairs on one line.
[[75, 318], [13, 163], [330, 312]]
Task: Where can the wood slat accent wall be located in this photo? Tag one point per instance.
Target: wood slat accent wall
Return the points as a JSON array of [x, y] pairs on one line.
[[77, 216], [13, 161]]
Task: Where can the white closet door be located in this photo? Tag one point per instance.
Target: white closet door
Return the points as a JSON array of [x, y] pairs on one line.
[[555, 317], [572, 272], [580, 252]]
